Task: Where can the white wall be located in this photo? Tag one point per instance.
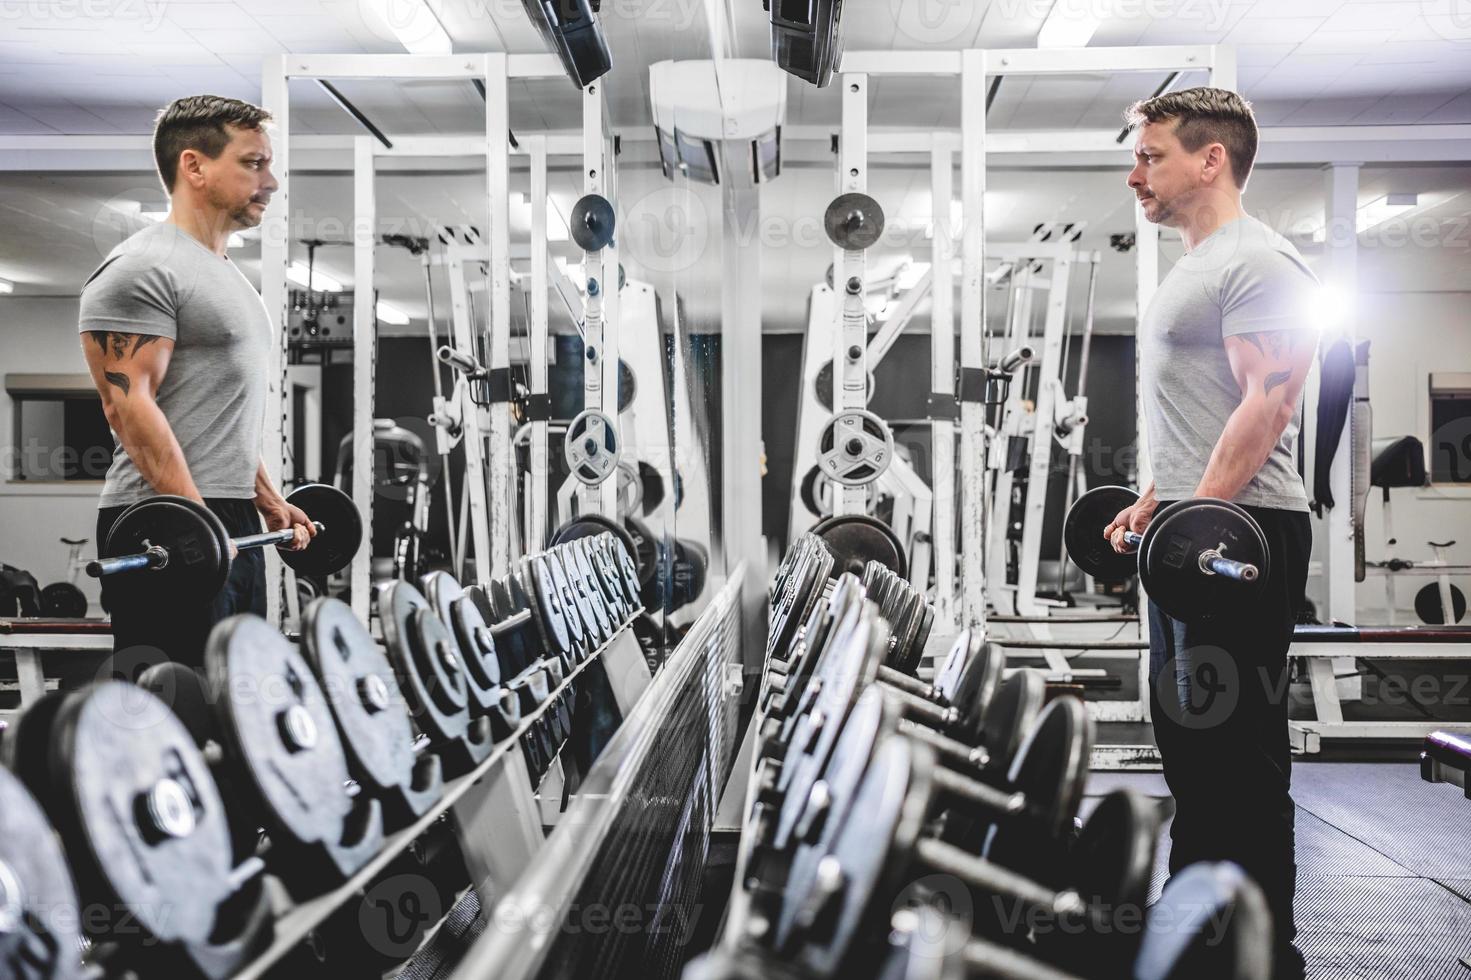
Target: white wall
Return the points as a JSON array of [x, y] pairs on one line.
[[39, 335]]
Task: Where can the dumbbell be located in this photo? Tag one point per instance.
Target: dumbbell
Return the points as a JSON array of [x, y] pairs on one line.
[[1198, 559], [1211, 921], [464, 627], [185, 551], [433, 677], [145, 831], [843, 890], [35, 885], [383, 754]]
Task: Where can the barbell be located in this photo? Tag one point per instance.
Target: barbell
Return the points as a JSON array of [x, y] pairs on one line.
[[1199, 559], [185, 549]]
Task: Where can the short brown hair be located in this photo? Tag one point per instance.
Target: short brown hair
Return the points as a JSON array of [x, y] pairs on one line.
[[1205, 115], [198, 123]]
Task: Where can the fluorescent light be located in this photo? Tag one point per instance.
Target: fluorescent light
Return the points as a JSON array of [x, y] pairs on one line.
[[414, 24], [1070, 24], [153, 215], [1375, 213], [6, 286], [297, 273], [392, 315]]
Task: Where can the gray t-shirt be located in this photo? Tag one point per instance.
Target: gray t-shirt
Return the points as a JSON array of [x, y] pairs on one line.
[[1245, 278], [164, 282]]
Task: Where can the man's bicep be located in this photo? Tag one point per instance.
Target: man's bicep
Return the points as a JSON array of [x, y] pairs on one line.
[[124, 363], [1278, 361]]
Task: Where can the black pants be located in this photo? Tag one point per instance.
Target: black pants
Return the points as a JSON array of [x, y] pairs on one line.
[[1218, 698], [164, 628]]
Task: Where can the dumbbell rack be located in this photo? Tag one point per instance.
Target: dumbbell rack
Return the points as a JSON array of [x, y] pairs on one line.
[[500, 818]]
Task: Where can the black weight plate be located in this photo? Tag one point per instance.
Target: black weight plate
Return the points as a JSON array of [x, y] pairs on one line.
[[199, 556], [974, 690], [342, 530], [856, 539], [477, 644], [1082, 534], [923, 638], [853, 221], [1170, 568], [27, 744], [855, 652], [1013, 710], [607, 577], [592, 222], [1050, 769], [645, 552], [807, 806], [278, 731], [37, 899], [559, 626], [1432, 611], [362, 691], [868, 862], [815, 643], [1201, 894], [580, 628], [804, 589], [143, 822], [580, 574], [588, 526], [437, 658], [950, 670], [903, 625], [62, 600], [397, 602], [1111, 862], [442, 591]]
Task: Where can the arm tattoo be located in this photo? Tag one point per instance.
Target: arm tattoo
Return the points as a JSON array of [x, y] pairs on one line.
[[1281, 341], [119, 380], [1252, 339], [122, 344], [1275, 380]]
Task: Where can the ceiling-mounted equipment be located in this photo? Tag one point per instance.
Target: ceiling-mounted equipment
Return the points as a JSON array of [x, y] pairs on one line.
[[719, 121], [806, 39], [572, 30]]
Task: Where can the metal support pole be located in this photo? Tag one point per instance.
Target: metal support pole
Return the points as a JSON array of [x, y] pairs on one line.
[[942, 379], [850, 347], [275, 254], [498, 253], [536, 529], [1341, 274], [364, 347], [972, 333]]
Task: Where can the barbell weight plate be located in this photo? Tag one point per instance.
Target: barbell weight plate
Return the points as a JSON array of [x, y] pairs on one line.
[[340, 538], [606, 576], [118, 749], [283, 743], [477, 645], [1110, 865], [438, 659], [1050, 769], [820, 817], [854, 448], [592, 222], [853, 222], [364, 697], [397, 602], [63, 600], [874, 857], [198, 547], [561, 596], [645, 553], [856, 539], [1169, 564], [1082, 534], [591, 447], [590, 525], [36, 891], [1431, 610], [590, 601], [823, 386], [442, 590]]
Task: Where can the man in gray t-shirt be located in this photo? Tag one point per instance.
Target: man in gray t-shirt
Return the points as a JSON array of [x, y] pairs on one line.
[[1224, 350], [178, 343]]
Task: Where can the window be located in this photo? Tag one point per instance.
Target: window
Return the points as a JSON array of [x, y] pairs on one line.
[[60, 432], [1450, 428]]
